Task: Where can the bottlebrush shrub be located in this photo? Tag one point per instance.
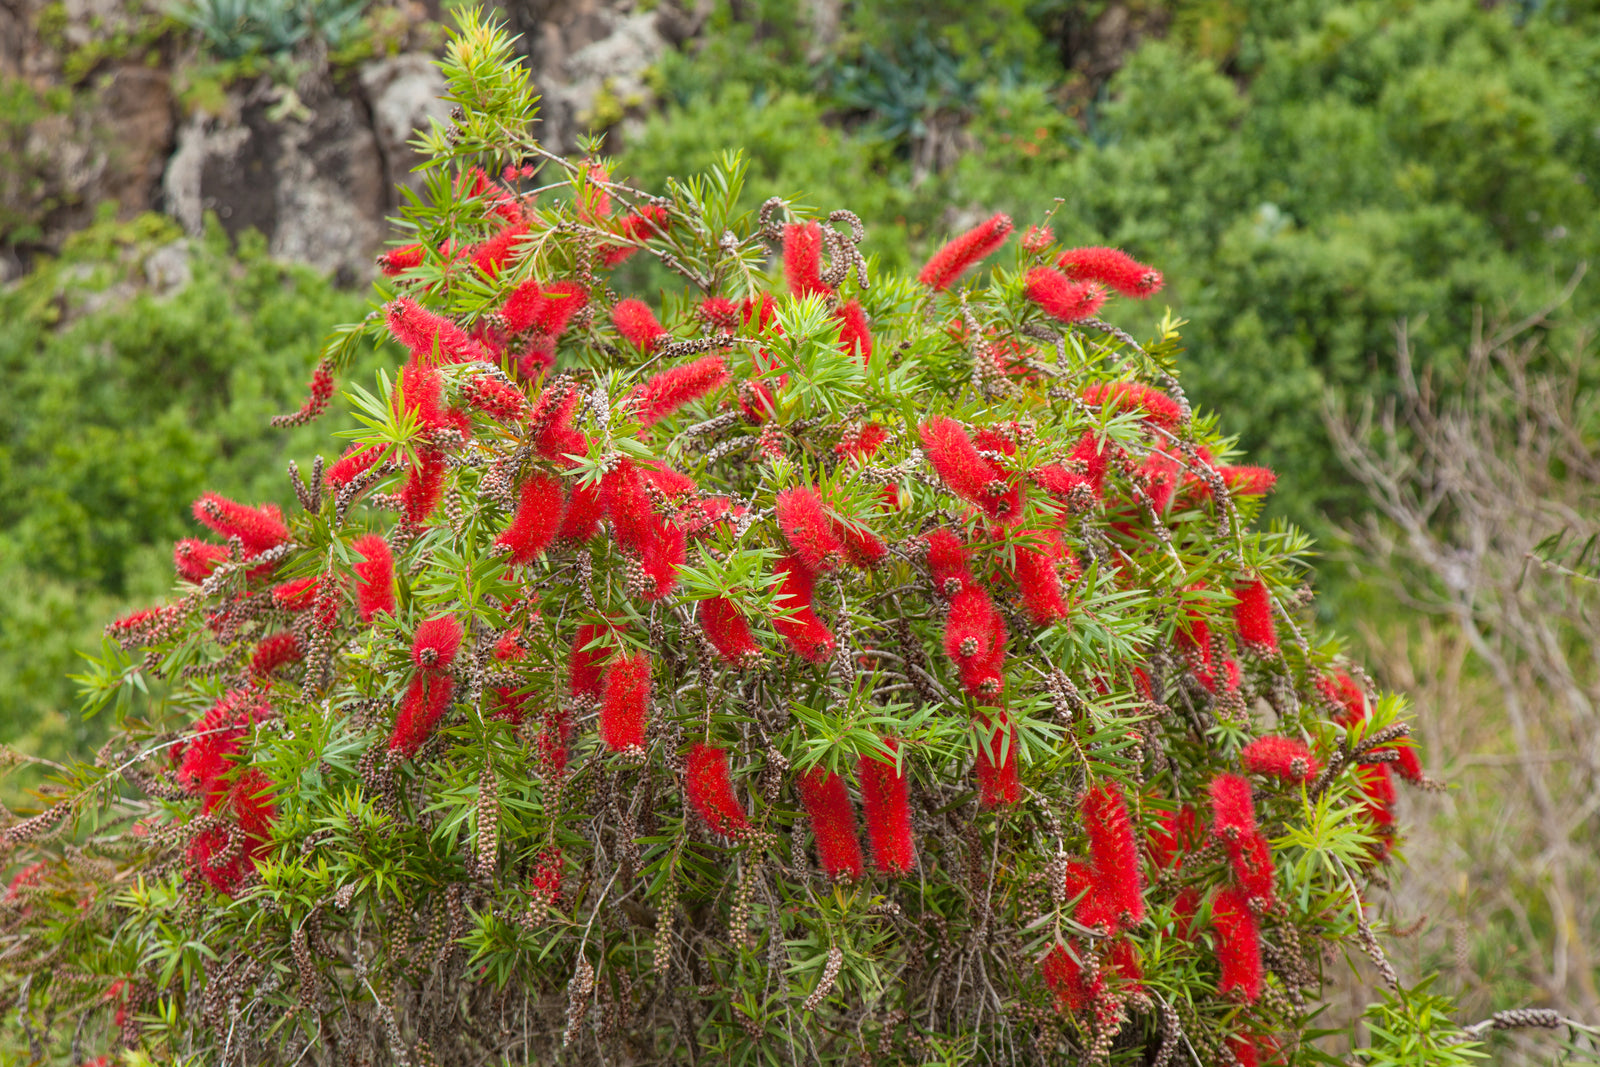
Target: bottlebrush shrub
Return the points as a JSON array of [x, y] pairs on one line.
[[796, 665]]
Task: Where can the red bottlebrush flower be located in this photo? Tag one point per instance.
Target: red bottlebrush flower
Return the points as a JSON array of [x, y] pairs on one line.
[[861, 442], [30, 875], [947, 562], [1061, 298], [1175, 835], [635, 321], [1114, 267], [862, 548], [581, 517], [1125, 963], [423, 333], [538, 518], [975, 639], [551, 420], [833, 823], [1064, 975], [374, 576], [1248, 481], [297, 594], [356, 461], [1377, 782], [720, 313], [1238, 944], [976, 244], [1154, 405], [802, 259], [1251, 859], [1037, 238], [317, 397], [758, 312], [585, 664], [625, 701], [1038, 580], [258, 529], [670, 390], [1233, 811], [802, 629], [1244, 1050], [855, 336], [886, 809], [426, 700], [629, 507], [424, 486], [196, 559], [648, 221], [510, 645], [510, 705], [275, 651], [1115, 853], [1342, 690], [436, 642], [554, 734], [1253, 616], [809, 529], [399, 260], [1409, 765], [495, 398], [546, 882], [215, 743], [1280, 757], [547, 309], [492, 254], [967, 474], [998, 770], [728, 632], [710, 791]]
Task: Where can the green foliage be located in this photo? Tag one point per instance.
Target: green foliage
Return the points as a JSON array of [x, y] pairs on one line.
[[232, 29], [300, 863], [1304, 173], [122, 406]]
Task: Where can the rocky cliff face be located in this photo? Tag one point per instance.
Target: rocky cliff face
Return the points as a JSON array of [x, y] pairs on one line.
[[312, 161]]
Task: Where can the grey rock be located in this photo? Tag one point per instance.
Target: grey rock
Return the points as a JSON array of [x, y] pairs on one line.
[[167, 269], [404, 94]]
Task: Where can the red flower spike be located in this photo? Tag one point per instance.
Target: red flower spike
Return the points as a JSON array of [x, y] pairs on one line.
[[886, 809], [855, 336], [802, 259], [546, 309], [1280, 757], [1248, 481], [710, 791], [1253, 616], [585, 664], [1174, 837], [422, 333], [1238, 945], [508, 704], [258, 529], [803, 630], [1244, 1050], [496, 399], [967, 474], [670, 390], [999, 773], [1125, 964], [1038, 581], [425, 702], [809, 529], [720, 313], [424, 486], [1342, 690], [581, 517], [1233, 811], [275, 651], [635, 321], [625, 701], [552, 419], [1114, 267], [1037, 238], [861, 443], [1153, 405], [1377, 782], [1093, 908], [540, 512], [947, 561], [1409, 765], [493, 254], [1251, 860], [1064, 975], [436, 642], [976, 244], [1061, 298], [398, 260], [356, 461], [833, 823], [974, 639], [728, 632], [196, 559], [862, 548], [1115, 853]]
